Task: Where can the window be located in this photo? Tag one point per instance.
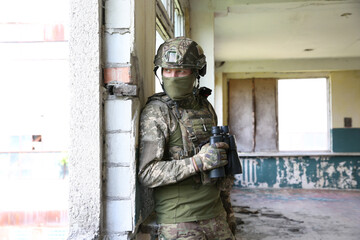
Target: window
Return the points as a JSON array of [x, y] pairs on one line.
[[34, 120], [179, 22], [302, 114], [170, 22], [271, 115]]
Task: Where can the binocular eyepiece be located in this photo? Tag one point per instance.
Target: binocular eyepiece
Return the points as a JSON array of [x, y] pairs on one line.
[[221, 134]]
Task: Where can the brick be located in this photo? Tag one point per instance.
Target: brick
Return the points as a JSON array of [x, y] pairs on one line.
[[121, 74], [118, 115], [117, 14], [117, 148], [118, 182], [117, 48], [118, 216], [116, 236]]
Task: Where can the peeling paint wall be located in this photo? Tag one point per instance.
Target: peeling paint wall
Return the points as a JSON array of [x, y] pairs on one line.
[[336, 172]]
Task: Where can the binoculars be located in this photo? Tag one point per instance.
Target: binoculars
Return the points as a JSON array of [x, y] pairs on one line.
[[221, 134]]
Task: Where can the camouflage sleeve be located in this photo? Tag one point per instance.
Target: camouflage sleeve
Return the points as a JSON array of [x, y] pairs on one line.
[[225, 188], [159, 173], [156, 124]]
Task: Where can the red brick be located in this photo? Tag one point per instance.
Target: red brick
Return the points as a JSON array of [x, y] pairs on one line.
[[121, 74]]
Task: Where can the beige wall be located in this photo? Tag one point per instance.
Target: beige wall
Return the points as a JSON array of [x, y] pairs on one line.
[[145, 47], [345, 92], [202, 31]]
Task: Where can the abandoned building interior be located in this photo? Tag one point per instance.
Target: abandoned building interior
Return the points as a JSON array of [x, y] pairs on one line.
[[285, 78]]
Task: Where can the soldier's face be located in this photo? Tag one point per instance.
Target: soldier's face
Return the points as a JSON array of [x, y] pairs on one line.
[[176, 72]]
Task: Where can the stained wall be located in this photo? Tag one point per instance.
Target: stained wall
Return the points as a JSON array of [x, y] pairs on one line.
[[337, 168], [307, 172]]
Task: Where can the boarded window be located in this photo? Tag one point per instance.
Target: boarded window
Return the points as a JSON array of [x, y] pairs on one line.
[[252, 114]]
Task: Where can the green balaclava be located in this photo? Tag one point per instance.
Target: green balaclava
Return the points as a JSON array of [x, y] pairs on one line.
[[179, 88]]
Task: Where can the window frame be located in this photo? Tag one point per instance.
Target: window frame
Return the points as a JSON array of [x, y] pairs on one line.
[[167, 18]]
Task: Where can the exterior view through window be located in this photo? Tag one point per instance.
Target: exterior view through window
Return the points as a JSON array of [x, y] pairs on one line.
[[303, 114], [34, 120], [172, 12]]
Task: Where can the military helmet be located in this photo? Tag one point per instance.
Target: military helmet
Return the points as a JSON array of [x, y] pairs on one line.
[[181, 52]]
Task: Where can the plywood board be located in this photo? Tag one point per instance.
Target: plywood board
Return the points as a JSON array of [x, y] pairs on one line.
[[265, 115], [241, 113]]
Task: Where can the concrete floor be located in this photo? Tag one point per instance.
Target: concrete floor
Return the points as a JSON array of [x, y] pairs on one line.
[[271, 214]]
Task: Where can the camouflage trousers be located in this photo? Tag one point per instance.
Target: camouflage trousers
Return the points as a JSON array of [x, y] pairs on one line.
[[210, 229]]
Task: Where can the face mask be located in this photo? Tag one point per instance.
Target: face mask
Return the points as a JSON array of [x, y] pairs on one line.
[[179, 88]]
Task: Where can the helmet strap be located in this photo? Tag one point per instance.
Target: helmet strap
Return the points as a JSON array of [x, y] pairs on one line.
[[161, 83], [197, 82], [197, 79]]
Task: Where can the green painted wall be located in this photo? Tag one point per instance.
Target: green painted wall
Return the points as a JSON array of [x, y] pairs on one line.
[[346, 139], [335, 172]]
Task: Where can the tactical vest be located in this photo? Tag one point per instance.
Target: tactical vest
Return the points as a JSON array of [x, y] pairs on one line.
[[188, 200], [194, 126]]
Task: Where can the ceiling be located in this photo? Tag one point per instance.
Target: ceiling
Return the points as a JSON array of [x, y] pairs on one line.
[[277, 30]]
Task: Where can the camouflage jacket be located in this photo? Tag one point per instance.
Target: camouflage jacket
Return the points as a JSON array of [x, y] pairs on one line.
[[161, 164]]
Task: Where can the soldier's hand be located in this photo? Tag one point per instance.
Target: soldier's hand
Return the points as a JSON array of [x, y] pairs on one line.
[[211, 156]]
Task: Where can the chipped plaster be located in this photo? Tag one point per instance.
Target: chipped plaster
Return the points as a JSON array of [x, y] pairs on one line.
[[300, 172]]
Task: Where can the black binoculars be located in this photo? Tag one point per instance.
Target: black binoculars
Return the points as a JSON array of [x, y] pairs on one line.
[[221, 134]]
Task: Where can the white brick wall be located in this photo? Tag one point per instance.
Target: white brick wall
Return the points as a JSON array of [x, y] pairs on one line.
[[117, 13], [118, 216], [120, 119], [115, 151], [118, 115], [116, 47], [121, 116], [118, 182]]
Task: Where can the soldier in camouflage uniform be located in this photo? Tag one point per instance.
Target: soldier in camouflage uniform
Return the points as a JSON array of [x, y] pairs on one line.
[[174, 156]]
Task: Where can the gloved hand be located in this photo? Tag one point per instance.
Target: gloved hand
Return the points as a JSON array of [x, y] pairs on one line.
[[210, 157]]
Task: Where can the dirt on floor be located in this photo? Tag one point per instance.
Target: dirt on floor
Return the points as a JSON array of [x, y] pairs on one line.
[[272, 214]]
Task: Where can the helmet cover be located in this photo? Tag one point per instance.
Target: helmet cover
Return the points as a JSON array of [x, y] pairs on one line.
[[181, 52]]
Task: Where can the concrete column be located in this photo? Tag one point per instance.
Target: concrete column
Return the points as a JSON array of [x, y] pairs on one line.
[[85, 151]]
